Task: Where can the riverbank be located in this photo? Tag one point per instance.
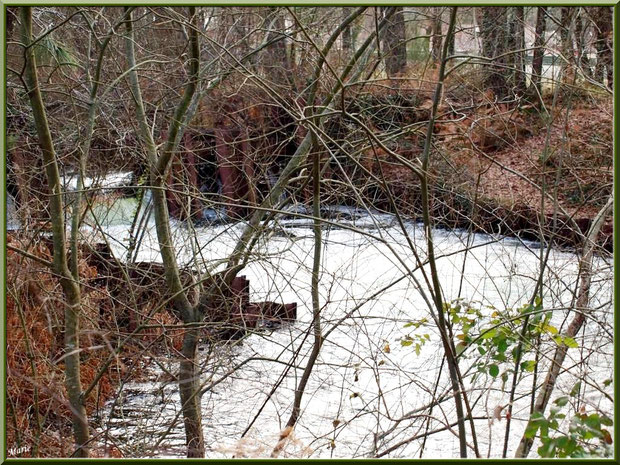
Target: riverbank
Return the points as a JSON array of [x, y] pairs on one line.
[[501, 170]]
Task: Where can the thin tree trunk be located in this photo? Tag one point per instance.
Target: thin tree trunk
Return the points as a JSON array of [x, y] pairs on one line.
[[603, 20], [448, 344], [582, 52], [436, 34], [69, 286], [347, 37], [519, 60], [189, 388], [566, 18], [579, 320], [539, 40], [567, 74], [188, 373], [278, 66]]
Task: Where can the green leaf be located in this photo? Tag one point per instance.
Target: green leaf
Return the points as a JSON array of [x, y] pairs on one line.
[[538, 302], [504, 379], [528, 365], [406, 342], [550, 329], [494, 370], [570, 447], [605, 420], [594, 421], [575, 390], [570, 342], [530, 430], [547, 449], [561, 401], [489, 334]]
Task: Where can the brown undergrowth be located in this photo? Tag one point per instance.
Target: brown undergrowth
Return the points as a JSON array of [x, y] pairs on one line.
[[38, 414]]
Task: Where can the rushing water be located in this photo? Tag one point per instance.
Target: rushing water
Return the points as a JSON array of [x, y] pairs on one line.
[[365, 381]]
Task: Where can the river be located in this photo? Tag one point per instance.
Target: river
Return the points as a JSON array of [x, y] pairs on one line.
[[366, 382]]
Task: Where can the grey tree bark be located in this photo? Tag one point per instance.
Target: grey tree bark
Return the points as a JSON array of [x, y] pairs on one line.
[[436, 34], [494, 34], [518, 32], [394, 43], [602, 17], [582, 53], [539, 40]]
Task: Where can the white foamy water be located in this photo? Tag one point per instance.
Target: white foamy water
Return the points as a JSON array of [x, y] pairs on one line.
[[365, 386]]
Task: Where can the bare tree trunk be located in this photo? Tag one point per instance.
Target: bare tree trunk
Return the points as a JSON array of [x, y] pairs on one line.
[[519, 47], [436, 34], [539, 40], [347, 37], [603, 20], [189, 391], [566, 18], [451, 43], [581, 308], [494, 34], [394, 44], [188, 373], [582, 53], [277, 63], [69, 286], [567, 74]]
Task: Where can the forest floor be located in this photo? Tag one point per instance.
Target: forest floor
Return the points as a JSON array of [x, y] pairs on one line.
[[579, 154], [506, 158]]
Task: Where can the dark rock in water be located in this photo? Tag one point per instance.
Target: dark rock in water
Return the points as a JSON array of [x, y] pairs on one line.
[[282, 232], [211, 217], [340, 212], [233, 316], [297, 209]]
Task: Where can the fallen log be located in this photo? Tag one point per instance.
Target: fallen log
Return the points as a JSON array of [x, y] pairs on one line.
[[231, 315]]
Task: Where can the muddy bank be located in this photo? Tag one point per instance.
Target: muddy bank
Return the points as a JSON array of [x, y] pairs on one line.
[[453, 210]]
